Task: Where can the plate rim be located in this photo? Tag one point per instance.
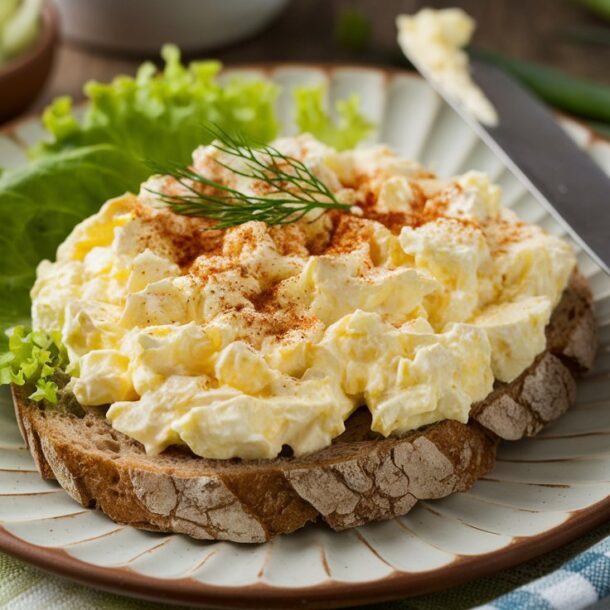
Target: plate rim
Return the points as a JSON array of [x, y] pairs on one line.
[[331, 593]]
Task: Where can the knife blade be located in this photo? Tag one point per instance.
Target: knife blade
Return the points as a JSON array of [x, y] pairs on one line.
[[528, 138]]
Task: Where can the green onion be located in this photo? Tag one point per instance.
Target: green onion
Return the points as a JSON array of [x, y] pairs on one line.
[[576, 96], [599, 7], [21, 29], [601, 128], [7, 8], [353, 30], [587, 35]]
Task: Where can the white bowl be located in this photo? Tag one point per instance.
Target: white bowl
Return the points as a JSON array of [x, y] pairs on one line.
[[142, 26]]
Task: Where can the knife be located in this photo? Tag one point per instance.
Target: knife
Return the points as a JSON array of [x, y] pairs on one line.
[[528, 138]]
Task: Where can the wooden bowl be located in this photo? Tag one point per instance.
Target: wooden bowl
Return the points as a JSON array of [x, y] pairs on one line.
[[22, 79]]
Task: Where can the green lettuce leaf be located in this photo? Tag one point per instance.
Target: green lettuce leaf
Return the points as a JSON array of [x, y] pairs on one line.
[[350, 128], [33, 358], [162, 117], [42, 202]]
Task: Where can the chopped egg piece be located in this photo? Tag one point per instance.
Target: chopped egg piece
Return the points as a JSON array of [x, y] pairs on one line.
[[516, 334]]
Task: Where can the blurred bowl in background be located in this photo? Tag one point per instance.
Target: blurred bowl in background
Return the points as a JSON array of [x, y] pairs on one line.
[[142, 26], [22, 79]]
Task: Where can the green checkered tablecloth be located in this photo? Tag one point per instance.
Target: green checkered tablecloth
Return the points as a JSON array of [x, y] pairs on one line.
[[25, 588]]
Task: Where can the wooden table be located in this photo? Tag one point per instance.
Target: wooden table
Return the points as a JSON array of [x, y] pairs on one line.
[[528, 29]]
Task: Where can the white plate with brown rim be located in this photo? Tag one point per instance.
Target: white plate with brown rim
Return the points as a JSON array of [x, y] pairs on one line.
[[542, 493]]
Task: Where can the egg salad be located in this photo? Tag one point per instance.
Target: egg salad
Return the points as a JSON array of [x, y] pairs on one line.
[[241, 341]]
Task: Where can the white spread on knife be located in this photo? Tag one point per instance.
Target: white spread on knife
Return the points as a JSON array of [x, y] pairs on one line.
[[433, 40]]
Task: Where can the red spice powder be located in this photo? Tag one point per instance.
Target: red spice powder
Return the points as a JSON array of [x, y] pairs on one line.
[[268, 314]]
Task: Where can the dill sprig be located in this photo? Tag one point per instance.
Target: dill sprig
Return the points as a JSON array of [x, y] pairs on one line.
[[292, 189]]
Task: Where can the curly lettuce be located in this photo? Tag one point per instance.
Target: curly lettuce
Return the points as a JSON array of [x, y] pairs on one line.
[[162, 116], [350, 128], [33, 358]]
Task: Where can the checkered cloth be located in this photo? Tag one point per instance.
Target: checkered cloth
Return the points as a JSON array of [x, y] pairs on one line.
[[577, 584]]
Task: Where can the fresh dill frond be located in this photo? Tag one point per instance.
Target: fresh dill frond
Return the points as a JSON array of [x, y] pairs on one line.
[[292, 190]]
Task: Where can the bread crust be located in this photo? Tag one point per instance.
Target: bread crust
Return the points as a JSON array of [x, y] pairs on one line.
[[360, 478]]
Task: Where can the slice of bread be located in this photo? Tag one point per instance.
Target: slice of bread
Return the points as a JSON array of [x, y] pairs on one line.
[[361, 477]]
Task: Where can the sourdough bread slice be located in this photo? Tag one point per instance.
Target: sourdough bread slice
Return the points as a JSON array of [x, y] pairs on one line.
[[361, 477]]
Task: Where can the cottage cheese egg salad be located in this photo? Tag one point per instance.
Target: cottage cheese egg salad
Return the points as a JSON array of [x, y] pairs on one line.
[[222, 310]]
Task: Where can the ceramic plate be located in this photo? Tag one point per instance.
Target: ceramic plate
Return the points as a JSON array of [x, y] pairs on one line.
[[542, 493]]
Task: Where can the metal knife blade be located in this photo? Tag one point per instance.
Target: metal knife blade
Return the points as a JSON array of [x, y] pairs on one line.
[[535, 147]]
